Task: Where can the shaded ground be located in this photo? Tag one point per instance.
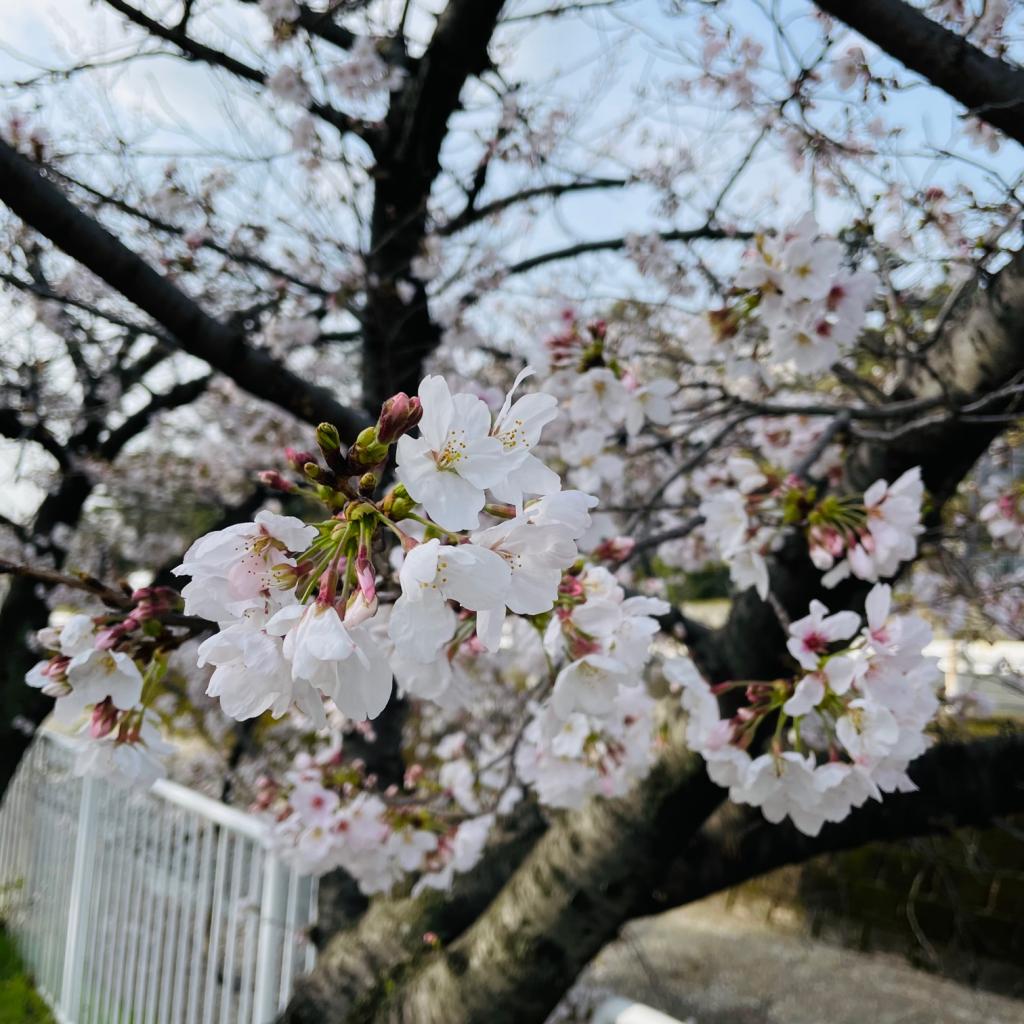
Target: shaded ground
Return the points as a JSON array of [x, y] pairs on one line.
[[717, 965]]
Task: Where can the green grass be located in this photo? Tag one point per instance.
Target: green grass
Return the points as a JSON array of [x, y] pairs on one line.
[[19, 1001]]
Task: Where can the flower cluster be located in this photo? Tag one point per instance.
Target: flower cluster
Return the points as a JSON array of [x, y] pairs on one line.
[[795, 307], [568, 758], [742, 515], [1003, 516], [845, 729], [746, 506], [297, 605], [328, 816], [94, 675], [872, 538]]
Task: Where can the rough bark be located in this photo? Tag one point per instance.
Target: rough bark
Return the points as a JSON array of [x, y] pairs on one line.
[[358, 964], [567, 900], [990, 88], [398, 336]]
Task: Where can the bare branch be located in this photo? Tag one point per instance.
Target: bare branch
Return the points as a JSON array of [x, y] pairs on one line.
[[177, 396], [195, 50], [614, 244], [14, 427], [472, 214]]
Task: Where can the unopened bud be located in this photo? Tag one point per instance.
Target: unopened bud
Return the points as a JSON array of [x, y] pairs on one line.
[[272, 478], [296, 459], [104, 718], [398, 415], [367, 437], [500, 511], [367, 451], [614, 549], [368, 483], [397, 504], [366, 576], [312, 471], [328, 438]]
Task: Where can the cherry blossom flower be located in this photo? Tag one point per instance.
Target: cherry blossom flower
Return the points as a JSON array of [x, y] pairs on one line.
[[422, 621], [588, 684], [129, 759], [232, 569], [518, 427], [649, 403], [318, 646], [448, 468], [811, 636]]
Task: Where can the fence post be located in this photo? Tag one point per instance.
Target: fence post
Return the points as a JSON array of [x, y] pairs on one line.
[[78, 904], [273, 908]]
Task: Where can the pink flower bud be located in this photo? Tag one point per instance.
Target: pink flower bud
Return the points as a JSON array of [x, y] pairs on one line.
[[365, 575], [398, 415], [104, 718], [273, 479], [108, 638], [615, 549], [298, 459]]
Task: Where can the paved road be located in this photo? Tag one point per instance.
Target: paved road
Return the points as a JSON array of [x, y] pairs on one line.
[[708, 964]]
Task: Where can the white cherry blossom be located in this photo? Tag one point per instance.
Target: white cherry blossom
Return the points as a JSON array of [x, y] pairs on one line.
[[455, 458]]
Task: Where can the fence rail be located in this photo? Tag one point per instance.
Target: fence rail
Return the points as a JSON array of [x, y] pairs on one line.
[[163, 907]]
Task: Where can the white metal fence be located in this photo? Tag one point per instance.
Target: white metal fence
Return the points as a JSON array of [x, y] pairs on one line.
[[163, 907]]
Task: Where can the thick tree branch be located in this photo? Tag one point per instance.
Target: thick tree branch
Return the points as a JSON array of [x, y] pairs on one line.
[[357, 962], [989, 88], [959, 785], [569, 898], [30, 195], [399, 335]]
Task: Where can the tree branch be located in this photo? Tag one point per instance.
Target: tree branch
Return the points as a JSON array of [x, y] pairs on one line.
[[242, 258], [197, 51], [989, 88], [30, 195], [959, 785], [12, 426], [614, 244], [175, 397], [322, 24], [472, 214]]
